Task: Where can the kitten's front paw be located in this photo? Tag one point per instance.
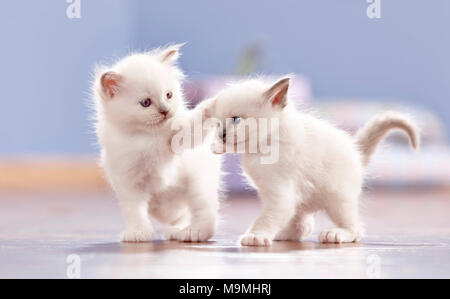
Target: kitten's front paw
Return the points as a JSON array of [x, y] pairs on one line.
[[137, 235], [255, 240], [338, 235], [190, 234]]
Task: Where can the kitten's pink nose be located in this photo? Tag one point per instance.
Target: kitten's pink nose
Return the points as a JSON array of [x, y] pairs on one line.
[[164, 112]]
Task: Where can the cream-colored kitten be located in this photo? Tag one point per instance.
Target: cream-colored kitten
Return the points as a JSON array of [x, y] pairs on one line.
[[319, 166], [136, 101]]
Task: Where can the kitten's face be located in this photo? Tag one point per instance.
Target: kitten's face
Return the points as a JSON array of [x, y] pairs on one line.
[[142, 91], [246, 111]]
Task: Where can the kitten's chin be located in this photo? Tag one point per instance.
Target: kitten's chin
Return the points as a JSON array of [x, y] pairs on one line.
[[158, 123]]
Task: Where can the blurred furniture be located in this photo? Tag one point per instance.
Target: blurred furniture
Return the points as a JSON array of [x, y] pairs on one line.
[[394, 163]]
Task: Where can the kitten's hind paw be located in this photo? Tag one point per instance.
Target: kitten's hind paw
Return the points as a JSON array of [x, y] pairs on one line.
[[190, 234], [338, 235], [255, 240], [296, 232], [172, 233], [135, 236]]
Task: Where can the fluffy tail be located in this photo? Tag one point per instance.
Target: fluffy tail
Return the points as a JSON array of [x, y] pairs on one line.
[[368, 137]]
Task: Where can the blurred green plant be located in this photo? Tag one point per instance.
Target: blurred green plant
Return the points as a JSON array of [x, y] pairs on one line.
[[250, 59]]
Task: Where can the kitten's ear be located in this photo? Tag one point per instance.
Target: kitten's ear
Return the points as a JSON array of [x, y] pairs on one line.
[[111, 82], [171, 53], [277, 94]]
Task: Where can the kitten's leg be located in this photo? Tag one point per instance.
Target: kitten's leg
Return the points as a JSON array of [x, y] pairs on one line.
[[279, 208], [300, 227], [179, 220], [171, 212], [344, 213], [176, 226], [203, 208], [134, 207]]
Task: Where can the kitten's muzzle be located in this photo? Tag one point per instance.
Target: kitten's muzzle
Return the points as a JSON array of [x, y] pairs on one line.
[[165, 113]]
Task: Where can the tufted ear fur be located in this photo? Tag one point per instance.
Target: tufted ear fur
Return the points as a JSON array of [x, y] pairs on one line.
[[110, 82], [171, 53], [277, 94]]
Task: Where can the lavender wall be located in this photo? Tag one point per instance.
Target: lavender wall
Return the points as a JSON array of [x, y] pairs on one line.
[[46, 58]]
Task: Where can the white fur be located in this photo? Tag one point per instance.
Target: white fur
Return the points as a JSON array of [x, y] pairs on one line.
[[148, 178], [320, 167]]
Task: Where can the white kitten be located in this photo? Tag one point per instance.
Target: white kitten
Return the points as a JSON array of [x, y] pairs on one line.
[[319, 167], [136, 101]]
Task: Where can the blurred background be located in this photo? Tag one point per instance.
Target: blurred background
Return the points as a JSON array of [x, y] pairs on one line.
[[348, 67]]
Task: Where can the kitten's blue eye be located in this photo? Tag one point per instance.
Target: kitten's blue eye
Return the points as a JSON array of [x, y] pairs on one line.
[[236, 120], [146, 102]]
